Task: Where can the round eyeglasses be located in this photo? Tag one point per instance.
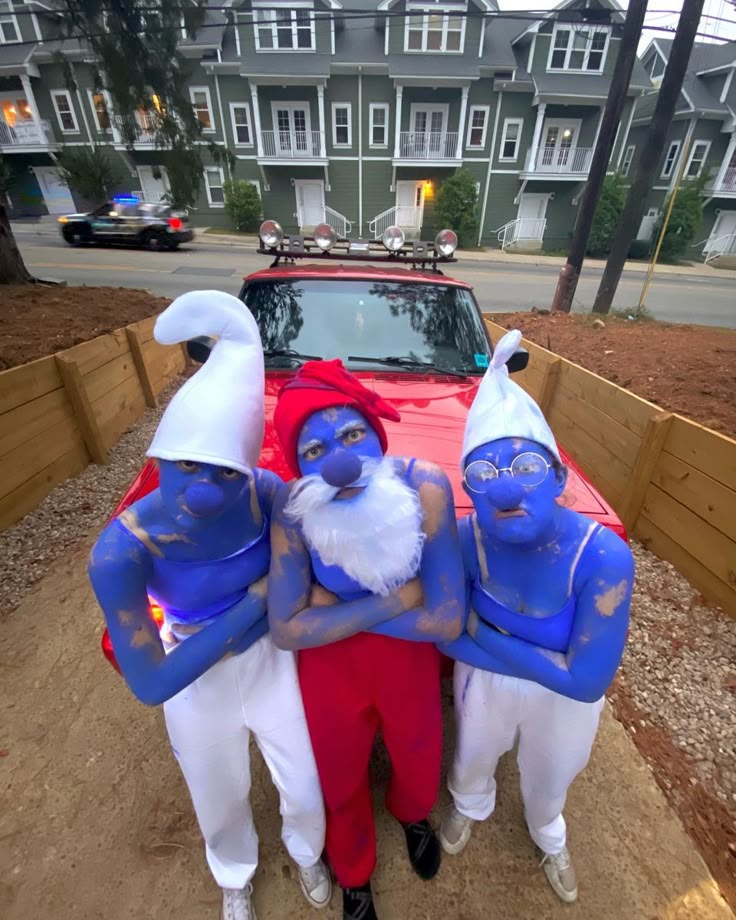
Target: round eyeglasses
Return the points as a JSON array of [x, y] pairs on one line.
[[528, 470]]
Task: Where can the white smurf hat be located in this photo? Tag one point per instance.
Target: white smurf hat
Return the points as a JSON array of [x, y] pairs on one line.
[[218, 415], [501, 409]]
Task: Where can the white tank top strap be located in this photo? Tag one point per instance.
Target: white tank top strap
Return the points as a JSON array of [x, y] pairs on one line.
[[589, 534]]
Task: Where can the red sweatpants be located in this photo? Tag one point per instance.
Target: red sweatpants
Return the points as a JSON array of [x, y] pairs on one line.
[[350, 689]]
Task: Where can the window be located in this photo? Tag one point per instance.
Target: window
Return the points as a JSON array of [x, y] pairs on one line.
[[578, 49], [626, 162], [511, 138], [9, 31], [670, 159], [214, 181], [341, 124], [379, 124], [432, 31], [202, 105], [64, 112], [477, 126], [284, 30], [697, 159], [657, 68], [240, 117], [99, 107]]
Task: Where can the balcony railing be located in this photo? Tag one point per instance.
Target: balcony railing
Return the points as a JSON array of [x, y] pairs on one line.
[[561, 160], [728, 182], [432, 145], [25, 134], [292, 145]]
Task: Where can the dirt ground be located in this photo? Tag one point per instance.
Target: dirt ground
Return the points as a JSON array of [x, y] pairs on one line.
[[686, 369], [39, 319]]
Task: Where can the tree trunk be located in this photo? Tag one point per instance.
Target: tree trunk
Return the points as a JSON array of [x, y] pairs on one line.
[[12, 267], [654, 144]]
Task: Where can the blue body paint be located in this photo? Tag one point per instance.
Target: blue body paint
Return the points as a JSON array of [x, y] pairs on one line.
[[539, 560], [186, 540]]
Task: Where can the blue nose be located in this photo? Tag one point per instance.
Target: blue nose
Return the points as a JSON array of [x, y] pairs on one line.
[[505, 493], [204, 499], [341, 468]]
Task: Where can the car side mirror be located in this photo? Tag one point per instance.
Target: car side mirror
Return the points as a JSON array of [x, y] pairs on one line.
[[199, 348], [518, 361]]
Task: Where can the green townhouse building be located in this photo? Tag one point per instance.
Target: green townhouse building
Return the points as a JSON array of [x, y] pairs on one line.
[[350, 111], [701, 138]]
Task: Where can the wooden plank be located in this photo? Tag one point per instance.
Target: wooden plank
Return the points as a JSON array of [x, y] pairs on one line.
[[38, 453], [85, 417], [135, 343], [144, 328], [699, 575], [117, 410], [109, 376], [29, 381], [708, 451], [646, 461], [89, 356], [548, 386], [26, 421], [629, 410]]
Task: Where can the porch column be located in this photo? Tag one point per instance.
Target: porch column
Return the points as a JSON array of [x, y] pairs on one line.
[[31, 100], [597, 132], [724, 165], [397, 143], [541, 109], [322, 129], [116, 136], [256, 118], [461, 124]]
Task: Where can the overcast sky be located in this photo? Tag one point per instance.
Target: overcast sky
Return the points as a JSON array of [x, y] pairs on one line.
[[660, 13]]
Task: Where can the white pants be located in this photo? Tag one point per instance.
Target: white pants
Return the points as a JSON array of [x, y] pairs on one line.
[[555, 735], [209, 725]]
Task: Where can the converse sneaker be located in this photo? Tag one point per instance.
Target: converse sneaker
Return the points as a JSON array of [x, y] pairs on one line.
[[455, 831], [316, 884], [424, 849], [357, 903], [560, 874], [237, 905]]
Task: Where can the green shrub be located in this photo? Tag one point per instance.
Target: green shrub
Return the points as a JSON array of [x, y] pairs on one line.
[[242, 204], [607, 215], [640, 249], [89, 172], [457, 207], [685, 220]]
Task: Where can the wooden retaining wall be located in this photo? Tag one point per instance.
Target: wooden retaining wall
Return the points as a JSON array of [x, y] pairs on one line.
[[61, 412], [671, 480]]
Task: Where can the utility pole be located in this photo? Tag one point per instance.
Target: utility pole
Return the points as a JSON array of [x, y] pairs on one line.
[[636, 200], [570, 273]]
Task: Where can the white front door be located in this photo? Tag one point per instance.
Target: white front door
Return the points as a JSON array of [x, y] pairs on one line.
[[291, 124], [723, 235], [56, 195], [310, 202], [531, 217], [154, 189], [409, 205], [646, 227], [429, 130], [559, 140]]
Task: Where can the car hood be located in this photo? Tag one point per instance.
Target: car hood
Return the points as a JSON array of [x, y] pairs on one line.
[[433, 411]]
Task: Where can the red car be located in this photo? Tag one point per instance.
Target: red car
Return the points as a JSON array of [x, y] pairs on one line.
[[407, 330]]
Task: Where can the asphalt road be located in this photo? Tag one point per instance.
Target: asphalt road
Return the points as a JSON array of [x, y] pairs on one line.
[[499, 288]]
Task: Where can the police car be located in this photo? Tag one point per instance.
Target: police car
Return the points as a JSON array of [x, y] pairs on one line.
[[127, 220]]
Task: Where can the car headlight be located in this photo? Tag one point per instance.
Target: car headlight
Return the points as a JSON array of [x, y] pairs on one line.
[[445, 243], [325, 236], [393, 238], [63, 220], [271, 234]]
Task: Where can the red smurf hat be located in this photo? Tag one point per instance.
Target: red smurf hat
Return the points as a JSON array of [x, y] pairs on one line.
[[323, 385]]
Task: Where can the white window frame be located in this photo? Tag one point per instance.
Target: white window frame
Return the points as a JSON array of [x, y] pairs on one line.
[[269, 19], [10, 17], [335, 107], [667, 173], [219, 169], [425, 11], [567, 27], [691, 157], [486, 109], [249, 123], [68, 96], [374, 107], [657, 57], [628, 159], [504, 137], [210, 110], [90, 95]]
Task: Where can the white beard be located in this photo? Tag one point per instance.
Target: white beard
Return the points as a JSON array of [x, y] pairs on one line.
[[376, 537]]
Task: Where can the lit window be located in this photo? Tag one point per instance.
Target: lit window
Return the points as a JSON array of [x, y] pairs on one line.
[[341, 127], [698, 156], [9, 31], [240, 114], [477, 127], [379, 124], [214, 182], [64, 112], [200, 96], [627, 160], [670, 159], [284, 30], [578, 49], [511, 138], [99, 107], [432, 31]]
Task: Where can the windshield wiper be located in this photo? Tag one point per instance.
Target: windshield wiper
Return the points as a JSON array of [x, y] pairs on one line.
[[396, 361], [290, 353]]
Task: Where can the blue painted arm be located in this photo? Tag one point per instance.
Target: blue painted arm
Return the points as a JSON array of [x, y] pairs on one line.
[[603, 590], [118, 569], [465, 649], [440, 618]]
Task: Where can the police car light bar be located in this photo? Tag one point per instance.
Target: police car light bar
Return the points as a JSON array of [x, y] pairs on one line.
[[126, 199]]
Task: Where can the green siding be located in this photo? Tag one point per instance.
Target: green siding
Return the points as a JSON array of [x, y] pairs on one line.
[[342, 89]]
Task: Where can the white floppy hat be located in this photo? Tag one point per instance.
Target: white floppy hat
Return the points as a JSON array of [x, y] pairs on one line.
[[501, 409], [218, 415]]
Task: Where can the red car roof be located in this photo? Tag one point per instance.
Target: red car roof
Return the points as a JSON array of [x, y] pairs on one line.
[[355, 271]]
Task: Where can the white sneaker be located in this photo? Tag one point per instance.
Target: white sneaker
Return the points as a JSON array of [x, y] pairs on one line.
[[560, 874], [316, 884], [237, 905], [455, 831]]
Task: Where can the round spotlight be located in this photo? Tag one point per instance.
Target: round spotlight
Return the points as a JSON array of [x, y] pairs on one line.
[[271, 234], [325, 236], [393, 238], [445, 243]]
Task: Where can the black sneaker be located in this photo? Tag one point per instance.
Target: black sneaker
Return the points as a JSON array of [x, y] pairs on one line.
[[357, 903], [424, 849]]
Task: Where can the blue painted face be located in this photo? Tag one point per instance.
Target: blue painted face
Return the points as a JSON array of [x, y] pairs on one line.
[[334, 443], [514, 508], [195, 493]]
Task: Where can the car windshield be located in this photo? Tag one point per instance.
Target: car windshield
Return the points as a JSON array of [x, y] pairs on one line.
[[435, 324]]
